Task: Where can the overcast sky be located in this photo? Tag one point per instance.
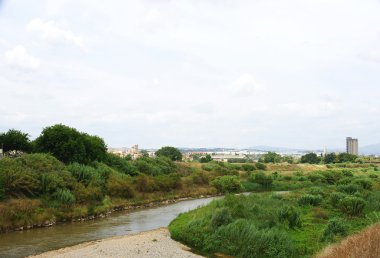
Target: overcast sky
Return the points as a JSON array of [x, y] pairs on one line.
[[195, 73]]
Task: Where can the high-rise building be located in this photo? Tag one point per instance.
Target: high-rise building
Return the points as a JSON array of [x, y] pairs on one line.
[[352, 146]]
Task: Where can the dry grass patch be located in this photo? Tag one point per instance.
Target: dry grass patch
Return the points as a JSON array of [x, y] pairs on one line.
[[365, 244]]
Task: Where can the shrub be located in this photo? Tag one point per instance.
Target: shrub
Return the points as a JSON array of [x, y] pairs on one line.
[[64, 198], [200, 178], [167, 183], [316, 191], [291, 215], [262, 179], [335, 227], [313, 177], [122, 165], [248, 167], [350, 188], [260, 166], [119, 186], [347, 173], [352, 206], [335, 198], [15, 180], [309, 199], [365, 183], [226, 184], [242, 239], [221, 216], [82, 173], [250, 187], [373, 175], [344, 181], [145, 184]]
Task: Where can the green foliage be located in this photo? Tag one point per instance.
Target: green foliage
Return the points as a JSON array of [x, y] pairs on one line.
[[123, 165], [248, 167], [119, 186], [83, 174], [347, 173], [309, 199], [15, 180], [364, 183], [15, 140], [226, 184], [316, 191], [346, 157], [170, 152], [240, 226], [330, 158], [155, 166], [205, 159], [335, 198], [260, 166], [272, 157], [349, 189], [262, 179], [310, 158], [221, 216], [64, 198], [352, 206], [69, 145], [335, 227], [291, 215], [145, 184]]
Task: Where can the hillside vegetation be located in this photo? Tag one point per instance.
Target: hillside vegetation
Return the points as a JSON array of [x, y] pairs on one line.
[[322, 207]]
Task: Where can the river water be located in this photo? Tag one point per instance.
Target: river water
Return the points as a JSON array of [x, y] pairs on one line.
[[23, 243]]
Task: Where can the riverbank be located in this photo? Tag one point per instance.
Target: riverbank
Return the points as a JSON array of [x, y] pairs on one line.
[[129, 206], [153, 243]]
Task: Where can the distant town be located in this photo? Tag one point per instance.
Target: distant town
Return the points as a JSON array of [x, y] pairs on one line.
[[235, 154]]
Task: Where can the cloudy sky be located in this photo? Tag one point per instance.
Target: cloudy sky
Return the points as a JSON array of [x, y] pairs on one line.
[[195, 73]]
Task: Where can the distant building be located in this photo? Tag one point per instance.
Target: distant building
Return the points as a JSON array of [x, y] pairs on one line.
[[124, 152], [352, 146]]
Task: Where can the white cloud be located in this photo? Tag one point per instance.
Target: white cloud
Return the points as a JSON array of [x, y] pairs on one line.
[[374, 55], [246, 85], [53, 31], [19, 57]]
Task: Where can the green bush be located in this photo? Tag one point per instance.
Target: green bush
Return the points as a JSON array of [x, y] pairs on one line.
[[64, 198], [316, 191], [335, 198], [349, 189], [352, 206], [226, 184], [262, 179], [221, 216], [119, 186], [365, 183], [291, 215], [242, 239], [309, 199], [335, 227], [248, 167], [314, 177], [260, 166]]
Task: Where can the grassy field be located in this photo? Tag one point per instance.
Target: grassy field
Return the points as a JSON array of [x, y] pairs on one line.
[[325, 205]]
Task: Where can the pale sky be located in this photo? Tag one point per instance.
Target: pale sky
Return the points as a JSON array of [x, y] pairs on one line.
[[194, 73]]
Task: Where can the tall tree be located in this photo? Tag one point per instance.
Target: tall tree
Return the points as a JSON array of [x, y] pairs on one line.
[[69, 145], [310, 158], [15, 140], [170, 152]]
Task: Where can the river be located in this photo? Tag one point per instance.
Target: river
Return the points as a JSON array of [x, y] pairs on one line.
[[23, 243]]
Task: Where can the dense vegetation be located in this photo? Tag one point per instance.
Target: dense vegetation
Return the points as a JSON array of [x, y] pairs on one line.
[[324, 206]]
